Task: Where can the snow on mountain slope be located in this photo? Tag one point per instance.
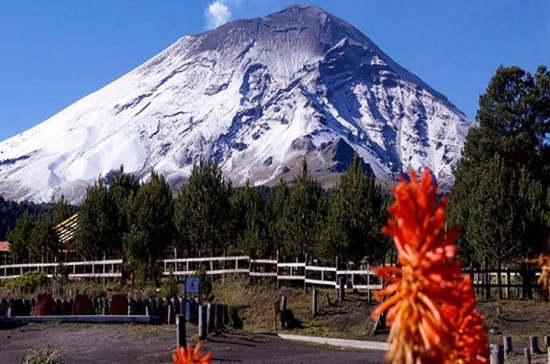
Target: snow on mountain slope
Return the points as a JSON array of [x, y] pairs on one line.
[[254, 95]]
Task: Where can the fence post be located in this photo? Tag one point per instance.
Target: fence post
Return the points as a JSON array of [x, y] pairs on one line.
[[533, 345], [202, 322], [507, 342], [314, 293], [497, 354], [181, 340], [527, 355], [507, 289], [487, 279], [210, 312], [341, 289], [277, 270], [305, 274]]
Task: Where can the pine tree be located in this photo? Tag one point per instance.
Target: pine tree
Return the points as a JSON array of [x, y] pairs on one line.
[[302, 215], [43, 240], [248, 212], [355, 217], [275, 216], [19, 238], [510, 145], [202, 210], [97, 230], [62, 211], [150, 221]]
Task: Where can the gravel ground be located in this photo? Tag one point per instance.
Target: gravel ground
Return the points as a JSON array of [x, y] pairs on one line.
[[98, 343]]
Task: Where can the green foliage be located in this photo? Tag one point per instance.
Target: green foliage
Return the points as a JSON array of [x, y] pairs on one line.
[[356, 214], [249, 226], [275, 215], [122, 187], [502, 179], [202, 211], [43, 240], [150, 219], [302, 214], [62, 211], [19, 238], [169, 287], [28, 283], [46, 355], [97, 226], [11, 211], [61, 275]]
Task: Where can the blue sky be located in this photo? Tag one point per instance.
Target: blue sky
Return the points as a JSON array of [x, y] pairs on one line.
[[53, 53]]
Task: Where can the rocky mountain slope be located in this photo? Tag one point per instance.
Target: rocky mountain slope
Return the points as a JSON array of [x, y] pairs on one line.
[[256, 96]]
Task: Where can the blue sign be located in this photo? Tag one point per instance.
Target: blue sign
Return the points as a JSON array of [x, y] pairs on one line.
[[192, 284]]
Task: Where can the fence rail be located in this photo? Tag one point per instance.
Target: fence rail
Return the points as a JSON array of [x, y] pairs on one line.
[[513, 282]]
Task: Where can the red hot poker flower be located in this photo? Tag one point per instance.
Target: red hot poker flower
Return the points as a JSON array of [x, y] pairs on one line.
[[190, 356], [425, 277]]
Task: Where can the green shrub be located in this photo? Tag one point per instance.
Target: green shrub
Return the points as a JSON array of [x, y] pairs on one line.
[[169, 287], [27, 283]]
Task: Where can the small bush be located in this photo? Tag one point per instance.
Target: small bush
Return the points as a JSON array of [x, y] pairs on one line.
[[47, 355], [169, 287], [27, 283]]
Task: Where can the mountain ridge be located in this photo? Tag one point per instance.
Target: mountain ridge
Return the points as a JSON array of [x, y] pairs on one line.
[[255, 96]]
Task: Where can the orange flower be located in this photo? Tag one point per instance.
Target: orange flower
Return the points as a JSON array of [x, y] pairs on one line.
[[190, 356], [470, 336], [426, 278]]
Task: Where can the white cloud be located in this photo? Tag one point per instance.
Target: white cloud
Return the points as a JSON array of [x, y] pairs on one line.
[[217, 13]]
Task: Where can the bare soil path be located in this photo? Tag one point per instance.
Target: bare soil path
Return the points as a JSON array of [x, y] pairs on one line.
[[97, 343]]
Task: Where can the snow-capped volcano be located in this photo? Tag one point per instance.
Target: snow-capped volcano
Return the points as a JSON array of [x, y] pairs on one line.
[[254, 95]]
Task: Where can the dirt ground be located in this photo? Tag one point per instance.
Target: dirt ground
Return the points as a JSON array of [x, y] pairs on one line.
[[351, 319], [97, 343]]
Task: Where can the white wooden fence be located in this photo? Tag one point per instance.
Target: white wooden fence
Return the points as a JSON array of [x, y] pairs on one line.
[[308, 275]]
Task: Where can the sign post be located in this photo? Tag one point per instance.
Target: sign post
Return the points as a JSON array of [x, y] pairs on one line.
[[191, 285]]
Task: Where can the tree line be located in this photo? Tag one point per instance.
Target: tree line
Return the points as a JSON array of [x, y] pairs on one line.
[[144, 221]]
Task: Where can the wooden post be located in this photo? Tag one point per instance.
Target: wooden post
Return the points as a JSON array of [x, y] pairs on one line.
[[527, 355], [497, 354], [219, 317], [314, 295], [507, 342], [507, 290], [341, 289], [202, 322], [277, 270], [181, 339], [487, 279], [210, 312], [305, 274], [533, 345]]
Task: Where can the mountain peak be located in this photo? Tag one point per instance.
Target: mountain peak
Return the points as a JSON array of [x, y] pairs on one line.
[[256, 96]]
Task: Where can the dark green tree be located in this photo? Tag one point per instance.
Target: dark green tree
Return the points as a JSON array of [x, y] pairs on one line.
[[44, 243], [275, 216], [355, 218], [121, 187], [97, 230], [62, 211], [202, 210], [150, 221], [19, 238], [510, 144], [248, 212], [302, 215]]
